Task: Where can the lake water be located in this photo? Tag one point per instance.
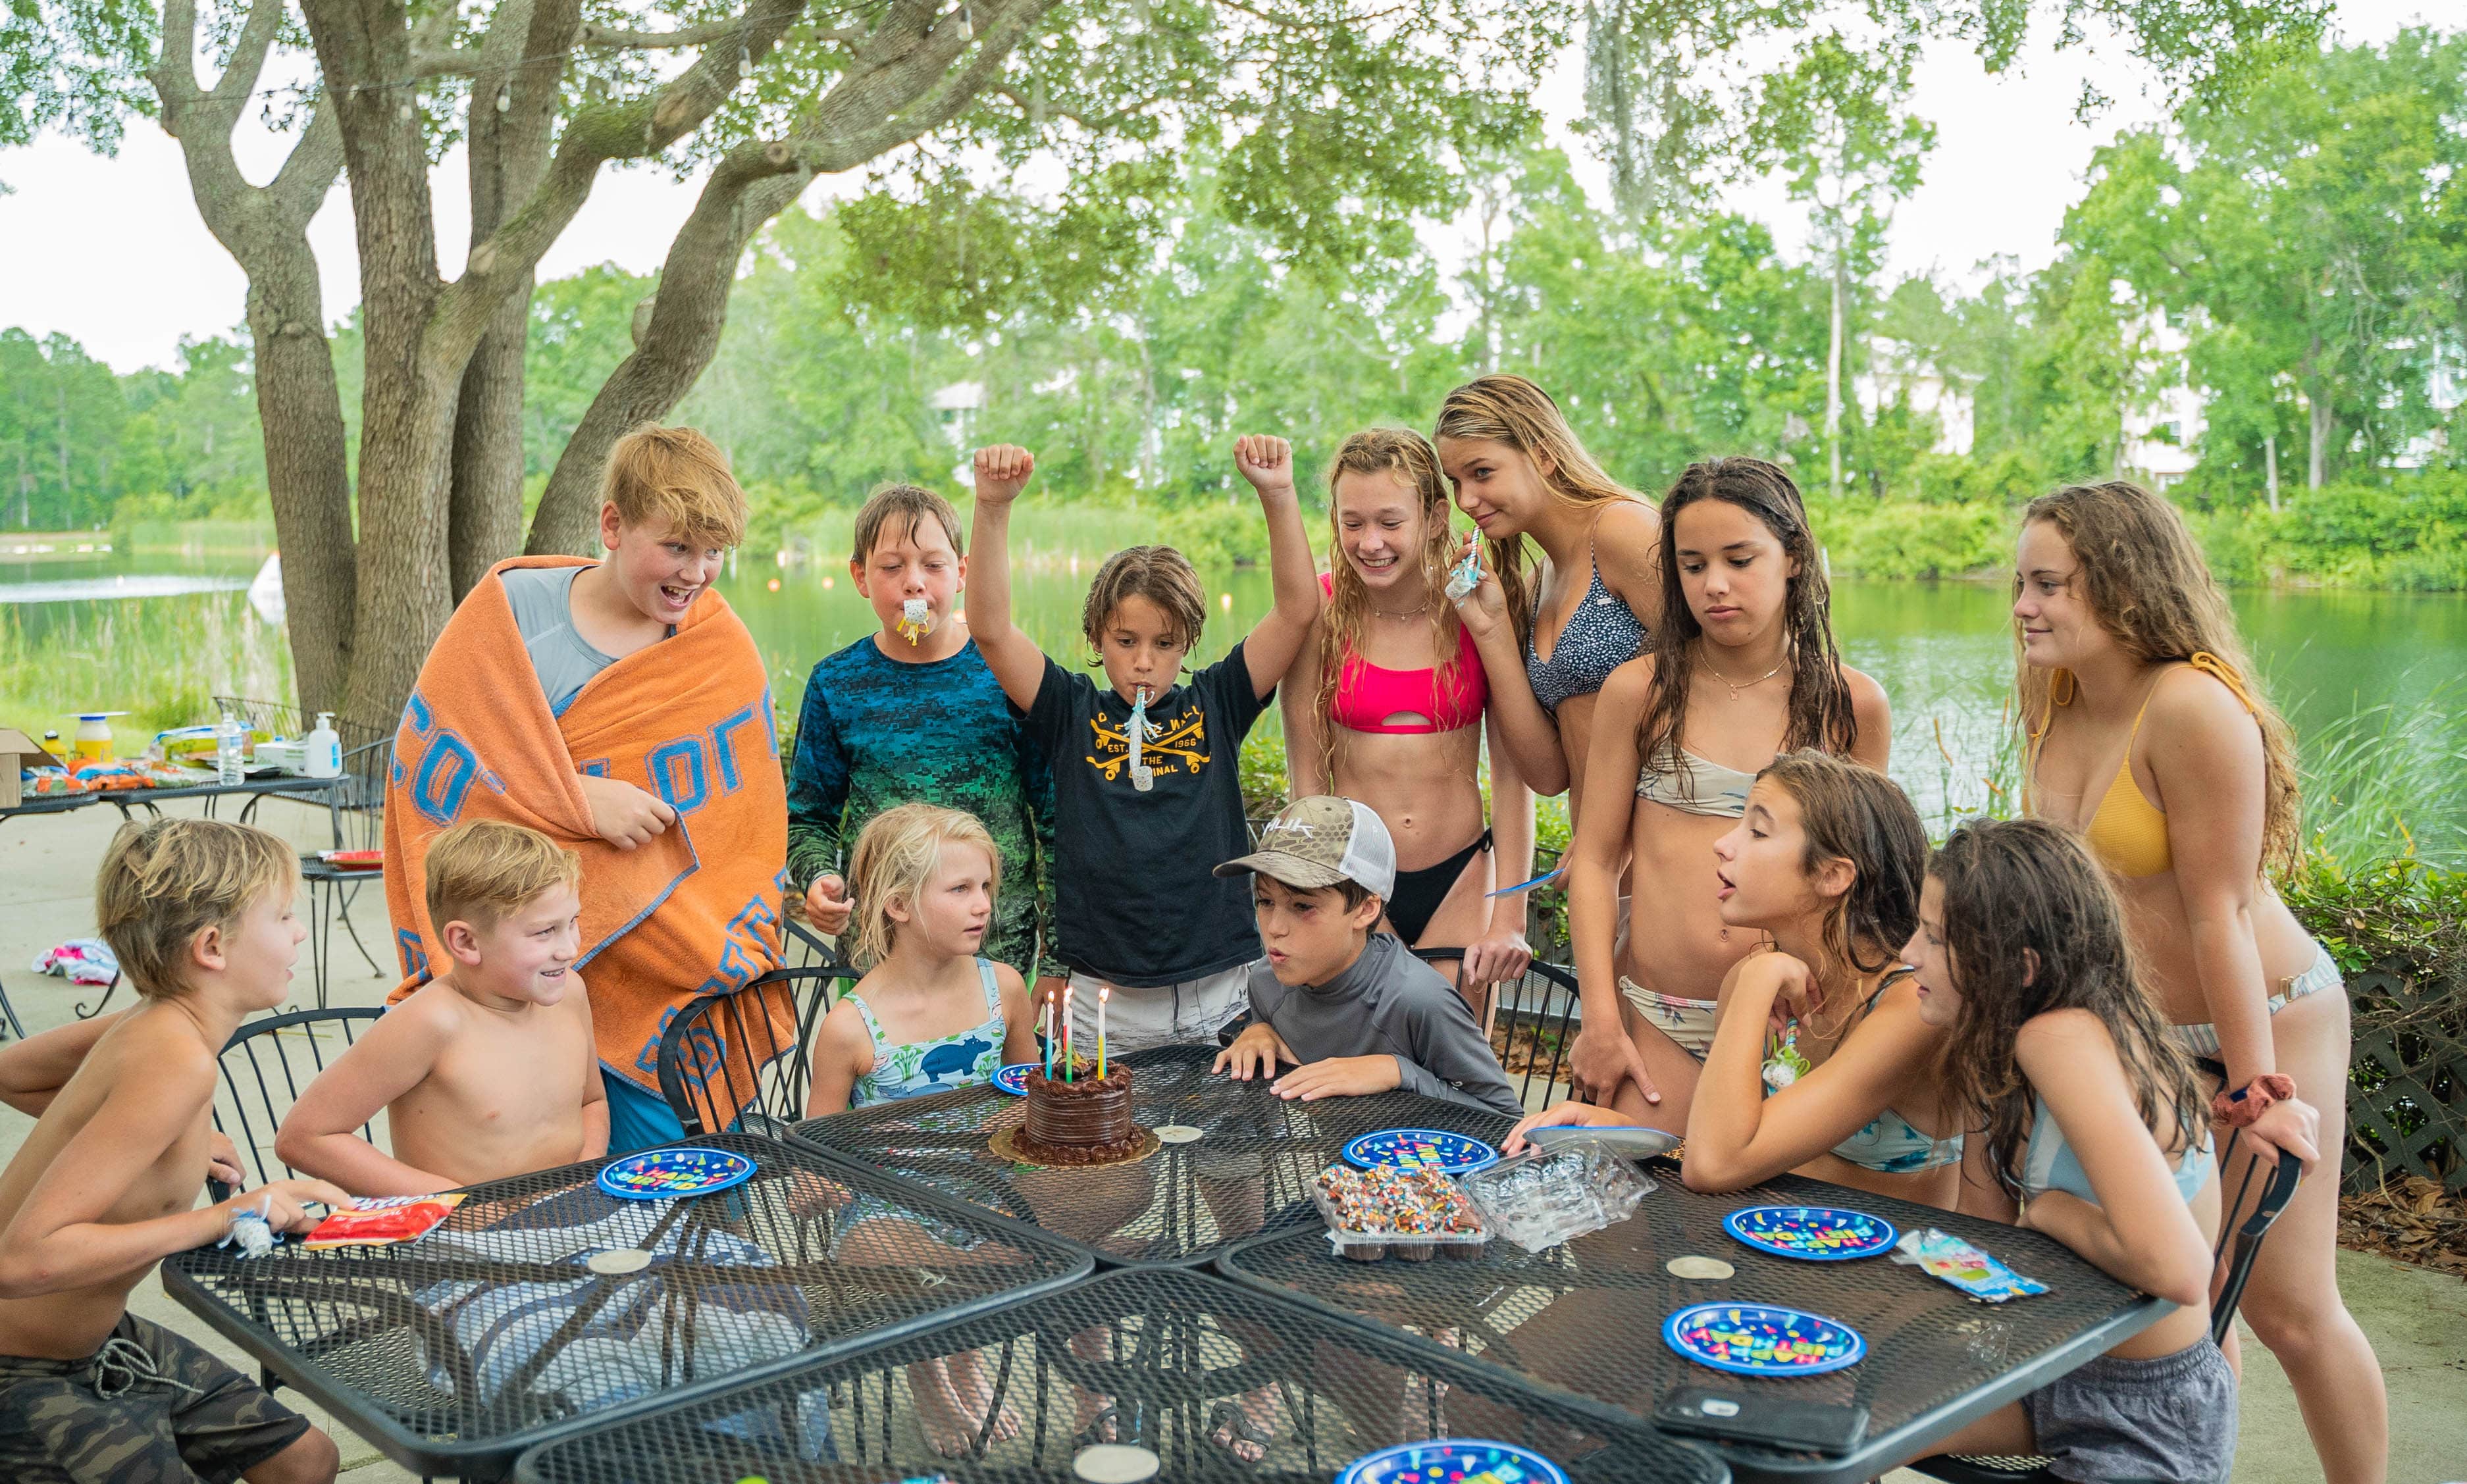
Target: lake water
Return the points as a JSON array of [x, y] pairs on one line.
[[2365, 678]]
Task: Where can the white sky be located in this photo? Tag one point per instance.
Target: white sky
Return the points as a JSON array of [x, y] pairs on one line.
[[112, 252]]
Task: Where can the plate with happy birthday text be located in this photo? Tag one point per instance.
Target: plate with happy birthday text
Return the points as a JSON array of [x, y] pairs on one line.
[[1453, 1461], [1811, 1233], [661, 1174], [1421, 1149], [1762, 1339], [1014, 1079]]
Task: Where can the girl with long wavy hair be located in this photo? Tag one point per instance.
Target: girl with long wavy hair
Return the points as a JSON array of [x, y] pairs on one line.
[[2145, 731], [1823, 865], [2093, 1130], [1550, 636], [1747, 669], [1387, 705]]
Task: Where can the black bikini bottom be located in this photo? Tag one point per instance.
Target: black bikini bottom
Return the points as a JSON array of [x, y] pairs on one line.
[[1419, 894]]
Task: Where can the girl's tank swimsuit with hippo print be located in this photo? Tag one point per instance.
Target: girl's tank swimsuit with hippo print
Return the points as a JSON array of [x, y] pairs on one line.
[[920, 1066]]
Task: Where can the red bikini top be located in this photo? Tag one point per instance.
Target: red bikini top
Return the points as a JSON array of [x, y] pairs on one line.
[[1368, 694]]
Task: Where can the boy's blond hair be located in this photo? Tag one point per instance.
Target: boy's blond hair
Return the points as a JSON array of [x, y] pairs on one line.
[[677, 479], [902, 507], [483, 870], [893, 860], [165, 881]]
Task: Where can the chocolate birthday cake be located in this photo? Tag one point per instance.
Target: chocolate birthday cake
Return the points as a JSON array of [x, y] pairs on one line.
[[1085, 1120]]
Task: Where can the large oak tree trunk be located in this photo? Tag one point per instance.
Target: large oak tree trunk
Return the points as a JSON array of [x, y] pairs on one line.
[[485, 520], [306, 472], [514, 97], [265, 229]]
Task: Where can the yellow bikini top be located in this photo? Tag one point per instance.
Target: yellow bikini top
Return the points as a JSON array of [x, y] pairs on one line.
[[2128, 832]]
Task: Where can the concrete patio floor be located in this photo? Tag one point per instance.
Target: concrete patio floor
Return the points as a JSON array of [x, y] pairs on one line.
[[2415, 1316]]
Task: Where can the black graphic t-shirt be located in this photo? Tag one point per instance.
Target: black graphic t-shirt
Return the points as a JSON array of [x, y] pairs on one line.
[[1133, 900]]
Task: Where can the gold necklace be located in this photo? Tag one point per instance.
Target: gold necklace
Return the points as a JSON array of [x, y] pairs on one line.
[[1745, 685], [1410, 613]]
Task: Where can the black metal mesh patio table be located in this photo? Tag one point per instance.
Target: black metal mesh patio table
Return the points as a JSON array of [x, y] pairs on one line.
[[1587, 1317], [1248, 1172], [1154, 1357], [501, 1328]]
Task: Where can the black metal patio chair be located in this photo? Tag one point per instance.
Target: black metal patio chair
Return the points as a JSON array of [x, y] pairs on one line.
[[726, 1065], [801, 946], [334, 886], [265, 1065], [1530, 1022], [2239, 1244]]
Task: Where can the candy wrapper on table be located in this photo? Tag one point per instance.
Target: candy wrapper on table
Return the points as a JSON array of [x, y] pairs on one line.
[[1396, 1211], [1539, 1200], [383, 1220], [136, 773], [52, 783], [1965, 1267]]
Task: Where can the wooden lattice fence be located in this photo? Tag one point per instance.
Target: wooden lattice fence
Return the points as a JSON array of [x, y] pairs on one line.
[[2406, 1092]]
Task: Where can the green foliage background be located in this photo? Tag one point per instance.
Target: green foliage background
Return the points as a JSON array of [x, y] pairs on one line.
[[2303, 241]]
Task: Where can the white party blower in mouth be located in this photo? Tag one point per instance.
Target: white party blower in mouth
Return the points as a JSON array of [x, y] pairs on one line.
[[1142, 776]]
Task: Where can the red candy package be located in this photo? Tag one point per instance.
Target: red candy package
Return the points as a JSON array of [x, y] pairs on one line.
[[383, 1220]]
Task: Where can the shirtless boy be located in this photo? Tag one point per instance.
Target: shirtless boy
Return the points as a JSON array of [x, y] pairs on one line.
[[489, 1072], [106, 1185]]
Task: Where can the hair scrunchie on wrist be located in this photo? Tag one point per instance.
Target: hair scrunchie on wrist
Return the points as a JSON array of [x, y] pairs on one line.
[[2239, 1109]]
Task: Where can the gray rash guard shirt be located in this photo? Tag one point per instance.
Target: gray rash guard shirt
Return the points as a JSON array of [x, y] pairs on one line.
[[565, 661], [1388, 1004]]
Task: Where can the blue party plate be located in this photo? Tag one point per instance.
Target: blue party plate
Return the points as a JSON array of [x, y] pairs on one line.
[[1453, 1461], [1431, 1149], [663, 1174], [1014, 1079], [1762, 1339], [1811, 1233]]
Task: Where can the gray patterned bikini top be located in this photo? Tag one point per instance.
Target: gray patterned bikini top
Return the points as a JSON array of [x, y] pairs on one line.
[[1601, 635]]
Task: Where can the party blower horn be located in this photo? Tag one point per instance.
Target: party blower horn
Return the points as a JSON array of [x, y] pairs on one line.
[[1142, 776]]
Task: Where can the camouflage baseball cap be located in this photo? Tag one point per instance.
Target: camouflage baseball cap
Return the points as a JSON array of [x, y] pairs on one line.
[[1320, 841]]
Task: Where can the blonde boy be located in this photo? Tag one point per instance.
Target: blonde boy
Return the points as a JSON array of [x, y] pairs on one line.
[[106, 1185], [486, 1071], [621, 708]]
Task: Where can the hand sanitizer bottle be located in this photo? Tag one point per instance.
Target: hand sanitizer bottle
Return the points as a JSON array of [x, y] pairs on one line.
[[325, 759]]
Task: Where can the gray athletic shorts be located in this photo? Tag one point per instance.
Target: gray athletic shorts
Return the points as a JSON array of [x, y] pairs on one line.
[[2171, 1420]]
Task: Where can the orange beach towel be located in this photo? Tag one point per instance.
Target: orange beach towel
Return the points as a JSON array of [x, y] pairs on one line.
[[695, 911]]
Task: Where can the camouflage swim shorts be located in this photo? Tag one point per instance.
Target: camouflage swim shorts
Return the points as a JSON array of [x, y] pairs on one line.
[[147, 1406]]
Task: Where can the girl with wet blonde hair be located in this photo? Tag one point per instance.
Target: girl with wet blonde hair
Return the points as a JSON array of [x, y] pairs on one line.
[[932, 1014], [2145, 730], [1388, 702], [1519, 470]]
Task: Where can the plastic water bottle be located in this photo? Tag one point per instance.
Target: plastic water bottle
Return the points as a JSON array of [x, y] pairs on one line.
[[231, 740], [325, 759]]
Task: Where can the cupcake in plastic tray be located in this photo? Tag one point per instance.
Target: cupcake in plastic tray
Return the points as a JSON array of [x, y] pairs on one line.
[[1389, 1211], [1541, 1199]]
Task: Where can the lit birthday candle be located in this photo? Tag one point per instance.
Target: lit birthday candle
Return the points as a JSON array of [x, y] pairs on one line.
[[1104, 992], [1065, 1018]]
